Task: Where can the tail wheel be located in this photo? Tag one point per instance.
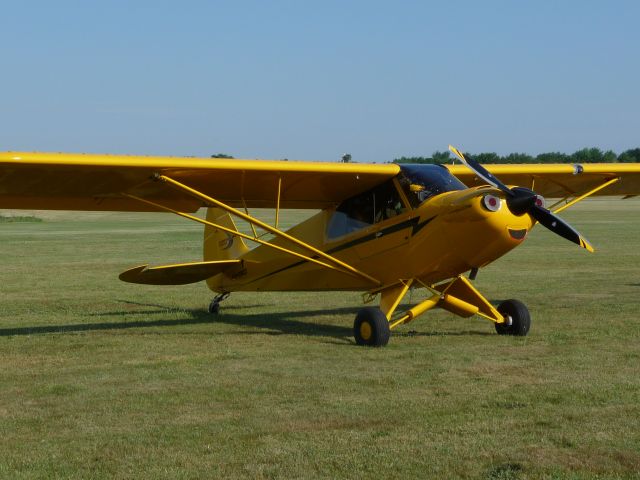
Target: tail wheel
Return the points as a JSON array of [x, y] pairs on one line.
[[371, 327], [518, 320], [214, 306]]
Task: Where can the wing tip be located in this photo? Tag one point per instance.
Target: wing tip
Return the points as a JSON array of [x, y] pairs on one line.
[[133, 274]]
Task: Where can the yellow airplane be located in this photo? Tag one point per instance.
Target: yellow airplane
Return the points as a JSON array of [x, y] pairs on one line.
[[382, 228]]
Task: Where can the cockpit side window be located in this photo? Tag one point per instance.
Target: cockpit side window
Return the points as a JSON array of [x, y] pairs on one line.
[[373, 206]]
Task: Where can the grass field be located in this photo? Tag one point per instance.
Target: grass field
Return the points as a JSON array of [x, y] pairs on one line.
[[101, 379]]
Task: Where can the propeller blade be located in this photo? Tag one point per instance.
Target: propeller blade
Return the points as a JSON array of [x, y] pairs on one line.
[[482, 172], [522, 200], [559, 226]]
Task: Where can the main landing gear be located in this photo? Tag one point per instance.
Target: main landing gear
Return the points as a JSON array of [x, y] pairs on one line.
[[371, 327], [517, 318], [214, 306]]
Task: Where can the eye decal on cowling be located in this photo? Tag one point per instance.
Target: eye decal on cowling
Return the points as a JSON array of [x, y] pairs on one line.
[[491, 202]]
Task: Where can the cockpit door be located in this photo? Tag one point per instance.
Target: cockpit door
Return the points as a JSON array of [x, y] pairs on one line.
[[373, 221], [386, 235]]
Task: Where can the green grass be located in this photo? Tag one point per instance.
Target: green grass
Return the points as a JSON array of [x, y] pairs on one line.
[[19, 218], [101, 379]]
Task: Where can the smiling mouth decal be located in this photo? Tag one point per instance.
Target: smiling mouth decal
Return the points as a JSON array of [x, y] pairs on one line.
[[517, 234]]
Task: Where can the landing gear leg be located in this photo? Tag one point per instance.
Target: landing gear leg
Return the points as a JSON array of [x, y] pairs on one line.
[[214, 306]]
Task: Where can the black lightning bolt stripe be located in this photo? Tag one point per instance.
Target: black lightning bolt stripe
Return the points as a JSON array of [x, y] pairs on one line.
[[412, 222]]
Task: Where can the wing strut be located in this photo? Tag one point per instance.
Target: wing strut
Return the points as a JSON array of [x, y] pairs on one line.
[[331, 262], [583, 196], [236, 233]]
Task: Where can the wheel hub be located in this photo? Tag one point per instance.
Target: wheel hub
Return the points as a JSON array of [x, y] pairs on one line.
[[365, 330]]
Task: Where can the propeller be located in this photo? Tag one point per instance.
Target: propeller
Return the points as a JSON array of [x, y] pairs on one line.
[[522, 200]]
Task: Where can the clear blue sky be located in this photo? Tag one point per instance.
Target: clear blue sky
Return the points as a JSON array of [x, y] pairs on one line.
[[311, 80]]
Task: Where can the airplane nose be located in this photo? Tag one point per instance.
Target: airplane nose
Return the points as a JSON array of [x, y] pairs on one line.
[[483, 230]]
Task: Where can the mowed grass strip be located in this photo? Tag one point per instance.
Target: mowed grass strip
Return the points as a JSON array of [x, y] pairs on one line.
[[102, 379]]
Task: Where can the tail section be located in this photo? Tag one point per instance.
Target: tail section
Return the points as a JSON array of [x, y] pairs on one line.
[[219, 245]]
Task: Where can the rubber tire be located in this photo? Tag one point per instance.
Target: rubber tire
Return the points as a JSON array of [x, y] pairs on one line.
[[520, 318], [378, 323]]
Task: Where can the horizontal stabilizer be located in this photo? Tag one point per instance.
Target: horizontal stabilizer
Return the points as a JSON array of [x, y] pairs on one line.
[[178, 274]]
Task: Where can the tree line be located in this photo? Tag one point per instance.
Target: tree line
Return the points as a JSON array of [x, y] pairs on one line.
[[586, 155]]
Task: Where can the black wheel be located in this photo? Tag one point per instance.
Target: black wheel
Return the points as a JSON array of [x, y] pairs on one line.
[[214, 307], [371, 327], [517, 316]]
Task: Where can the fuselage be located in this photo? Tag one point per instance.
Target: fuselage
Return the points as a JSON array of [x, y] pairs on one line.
[[391, 238]]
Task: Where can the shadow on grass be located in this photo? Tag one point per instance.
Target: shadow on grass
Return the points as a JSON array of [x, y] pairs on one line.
[[165, 308], [277, 323], [87, 327], [448, 333]]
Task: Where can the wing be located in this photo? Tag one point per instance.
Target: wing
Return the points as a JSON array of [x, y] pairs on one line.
[[561, 180], [60, 181]]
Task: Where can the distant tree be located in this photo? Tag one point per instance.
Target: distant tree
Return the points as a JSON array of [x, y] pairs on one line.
[[587, 155], [628, 156], [221, 155], [441, 157], [553, 157], [490, 157], [413, 160], [518, 158], [609, 156]]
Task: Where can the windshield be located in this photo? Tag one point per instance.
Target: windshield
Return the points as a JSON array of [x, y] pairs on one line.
[[424, 181]]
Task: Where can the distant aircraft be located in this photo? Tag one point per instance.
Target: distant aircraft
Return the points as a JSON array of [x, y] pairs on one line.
[[382, 228]]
